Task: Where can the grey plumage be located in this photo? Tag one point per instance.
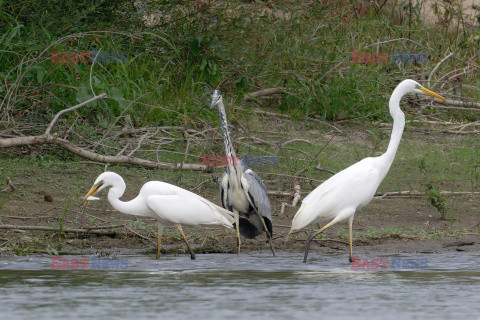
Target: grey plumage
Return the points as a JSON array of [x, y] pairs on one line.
[[242, 191]]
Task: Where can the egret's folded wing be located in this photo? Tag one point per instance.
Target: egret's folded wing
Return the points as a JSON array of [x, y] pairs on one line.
[[192, 210]]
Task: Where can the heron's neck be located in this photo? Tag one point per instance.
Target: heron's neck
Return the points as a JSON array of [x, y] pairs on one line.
[[397, 131], [227, 142], [128, 207]]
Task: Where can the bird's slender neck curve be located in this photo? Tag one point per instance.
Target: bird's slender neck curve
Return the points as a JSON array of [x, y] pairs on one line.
[[232, 159], [398, 126], [126, 207]]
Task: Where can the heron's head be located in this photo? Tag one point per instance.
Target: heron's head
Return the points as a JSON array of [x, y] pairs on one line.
[[216, 98], [106, 179], [414, 86]]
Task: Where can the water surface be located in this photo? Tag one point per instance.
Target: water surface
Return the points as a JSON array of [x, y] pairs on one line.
[[249, 286]]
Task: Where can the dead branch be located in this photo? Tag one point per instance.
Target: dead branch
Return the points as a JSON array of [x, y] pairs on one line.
[[283, 175], [34, 217], [296, 193], [262, 93], [279, 193], [436, 67], [65, 230], [49, 128], [420, 194], [10, 186], [296, 140], [332, 240], [323, 170], [138, 234], [50, 139], [296, 196], [467, 105]]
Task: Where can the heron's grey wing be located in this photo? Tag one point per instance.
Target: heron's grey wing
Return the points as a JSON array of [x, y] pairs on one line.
[[224, 191], [257, 195]]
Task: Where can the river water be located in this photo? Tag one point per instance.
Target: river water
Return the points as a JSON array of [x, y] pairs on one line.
[[248, 286]]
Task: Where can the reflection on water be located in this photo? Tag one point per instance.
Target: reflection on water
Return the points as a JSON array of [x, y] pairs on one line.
[[217, 286]]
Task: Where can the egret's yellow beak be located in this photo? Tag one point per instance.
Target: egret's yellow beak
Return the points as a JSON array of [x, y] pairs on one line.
[[431, 93], [92, 192]]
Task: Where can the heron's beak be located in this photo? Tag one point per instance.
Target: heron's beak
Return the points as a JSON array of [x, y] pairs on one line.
[[92, 192], [431, 93], [214, 103]]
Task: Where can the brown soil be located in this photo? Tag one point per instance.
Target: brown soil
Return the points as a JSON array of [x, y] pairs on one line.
[[389, 224], [373, 226]]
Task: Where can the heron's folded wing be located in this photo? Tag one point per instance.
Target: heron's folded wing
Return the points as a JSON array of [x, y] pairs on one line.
[[256, 193]]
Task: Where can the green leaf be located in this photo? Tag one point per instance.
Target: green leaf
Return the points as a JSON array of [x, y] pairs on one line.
[[195, 45], [83, 95], [118, 94]]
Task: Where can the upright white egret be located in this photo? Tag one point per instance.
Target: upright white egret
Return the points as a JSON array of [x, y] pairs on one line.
[[352, 188], [241, 189], [168, 204]]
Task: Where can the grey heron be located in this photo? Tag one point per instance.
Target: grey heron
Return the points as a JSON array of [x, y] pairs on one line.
[[241, 189], [340, 196], [168, 204]]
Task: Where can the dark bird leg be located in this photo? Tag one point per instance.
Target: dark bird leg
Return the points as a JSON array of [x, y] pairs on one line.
[[350, 222], [268, 234], [159, 239], [313, 235], [179, 227]]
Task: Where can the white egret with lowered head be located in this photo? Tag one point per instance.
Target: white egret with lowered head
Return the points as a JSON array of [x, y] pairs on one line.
[[241, 189], [340, 196], [168, 204]]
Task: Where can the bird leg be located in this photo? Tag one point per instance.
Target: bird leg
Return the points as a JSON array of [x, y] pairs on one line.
[[159, 239], [268, 234], [179, 227], [313, 235], [350, 222], [237, 226], [287, 236]]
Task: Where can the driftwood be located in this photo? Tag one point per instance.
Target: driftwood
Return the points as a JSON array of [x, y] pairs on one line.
[[65, 230]]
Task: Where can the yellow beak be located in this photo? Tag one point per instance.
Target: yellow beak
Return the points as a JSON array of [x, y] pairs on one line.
[[433, 94], [91, 192]]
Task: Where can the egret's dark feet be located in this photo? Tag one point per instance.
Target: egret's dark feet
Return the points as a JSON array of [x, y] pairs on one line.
[[307, 246]]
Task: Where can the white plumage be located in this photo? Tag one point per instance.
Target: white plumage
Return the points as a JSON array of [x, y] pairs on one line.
[[168, 204], [340, 196]]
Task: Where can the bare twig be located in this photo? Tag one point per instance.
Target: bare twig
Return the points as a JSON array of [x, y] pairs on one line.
[[296, 140], [436, 67], [323, 170], [49, 128], [10, 186], [332, 240]]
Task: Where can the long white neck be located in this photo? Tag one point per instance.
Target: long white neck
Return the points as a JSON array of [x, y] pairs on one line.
[[133, 207], [397, 131]]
